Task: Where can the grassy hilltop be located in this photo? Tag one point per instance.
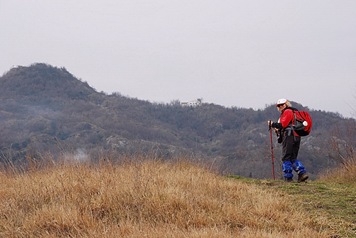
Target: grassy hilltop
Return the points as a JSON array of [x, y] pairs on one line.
[[151, 198]]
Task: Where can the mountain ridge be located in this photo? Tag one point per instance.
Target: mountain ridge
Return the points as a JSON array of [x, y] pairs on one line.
[[47, 109]]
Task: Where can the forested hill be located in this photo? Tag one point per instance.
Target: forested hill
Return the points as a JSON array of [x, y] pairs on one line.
[[47, 109]]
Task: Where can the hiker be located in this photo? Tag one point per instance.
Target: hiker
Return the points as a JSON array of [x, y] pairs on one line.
[[290, 141]]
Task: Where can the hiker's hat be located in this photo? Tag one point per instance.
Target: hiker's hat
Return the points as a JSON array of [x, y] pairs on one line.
[[281, 101]]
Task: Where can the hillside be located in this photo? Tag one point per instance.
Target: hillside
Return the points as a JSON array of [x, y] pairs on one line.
[[46, 109], [152, 198]]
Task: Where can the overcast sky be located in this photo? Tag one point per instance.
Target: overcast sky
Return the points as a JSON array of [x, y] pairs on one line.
[[243, 53]]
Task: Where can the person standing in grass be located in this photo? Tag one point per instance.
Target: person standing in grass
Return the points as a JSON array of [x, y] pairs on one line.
[[290, 142]]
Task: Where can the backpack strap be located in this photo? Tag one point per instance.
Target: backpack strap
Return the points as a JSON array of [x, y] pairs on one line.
[[294, 116]]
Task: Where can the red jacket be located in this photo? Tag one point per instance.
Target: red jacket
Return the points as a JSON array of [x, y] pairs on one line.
[[286, 119]]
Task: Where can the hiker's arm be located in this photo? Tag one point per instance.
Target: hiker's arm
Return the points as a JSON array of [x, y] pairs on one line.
[[276, 125], [285, 119]]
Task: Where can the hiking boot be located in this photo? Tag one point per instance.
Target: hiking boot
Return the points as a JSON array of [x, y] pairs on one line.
[[302, 177], [288, 180]]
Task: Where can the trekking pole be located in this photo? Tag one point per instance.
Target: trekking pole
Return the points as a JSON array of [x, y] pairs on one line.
[[272, 154]]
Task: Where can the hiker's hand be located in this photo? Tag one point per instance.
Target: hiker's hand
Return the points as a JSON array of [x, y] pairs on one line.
[[269, 122]]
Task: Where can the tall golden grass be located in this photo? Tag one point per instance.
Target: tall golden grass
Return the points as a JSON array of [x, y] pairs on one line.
[[346, 173], [145, 199]]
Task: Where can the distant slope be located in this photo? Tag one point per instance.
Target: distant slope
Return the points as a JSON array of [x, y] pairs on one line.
[[43, 81], [46, 109]]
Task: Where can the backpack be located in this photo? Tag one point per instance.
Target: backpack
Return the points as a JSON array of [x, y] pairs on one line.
[[302, 123]]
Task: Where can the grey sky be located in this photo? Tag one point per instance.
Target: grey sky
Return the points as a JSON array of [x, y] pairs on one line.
[[228, 52]]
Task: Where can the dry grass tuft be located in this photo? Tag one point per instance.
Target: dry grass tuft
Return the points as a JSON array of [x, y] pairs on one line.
[[343, 174], [145, 199]]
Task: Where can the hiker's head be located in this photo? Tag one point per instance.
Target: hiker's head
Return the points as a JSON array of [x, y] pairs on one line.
[[282, 103]]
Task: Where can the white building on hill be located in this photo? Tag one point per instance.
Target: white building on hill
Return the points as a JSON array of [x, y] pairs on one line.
[[194, 103]]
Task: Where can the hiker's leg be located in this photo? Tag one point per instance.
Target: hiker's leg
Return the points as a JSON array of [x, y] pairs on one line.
[[287, 170], [288, 156]]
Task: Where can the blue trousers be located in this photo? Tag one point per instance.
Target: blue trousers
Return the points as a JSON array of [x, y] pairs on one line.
[[289, 166], [290, 149]]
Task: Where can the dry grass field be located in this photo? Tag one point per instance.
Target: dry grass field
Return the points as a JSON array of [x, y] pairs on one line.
[[148, 198]]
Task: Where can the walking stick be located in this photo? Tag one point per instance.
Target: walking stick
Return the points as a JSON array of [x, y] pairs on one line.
[[272, 154]]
